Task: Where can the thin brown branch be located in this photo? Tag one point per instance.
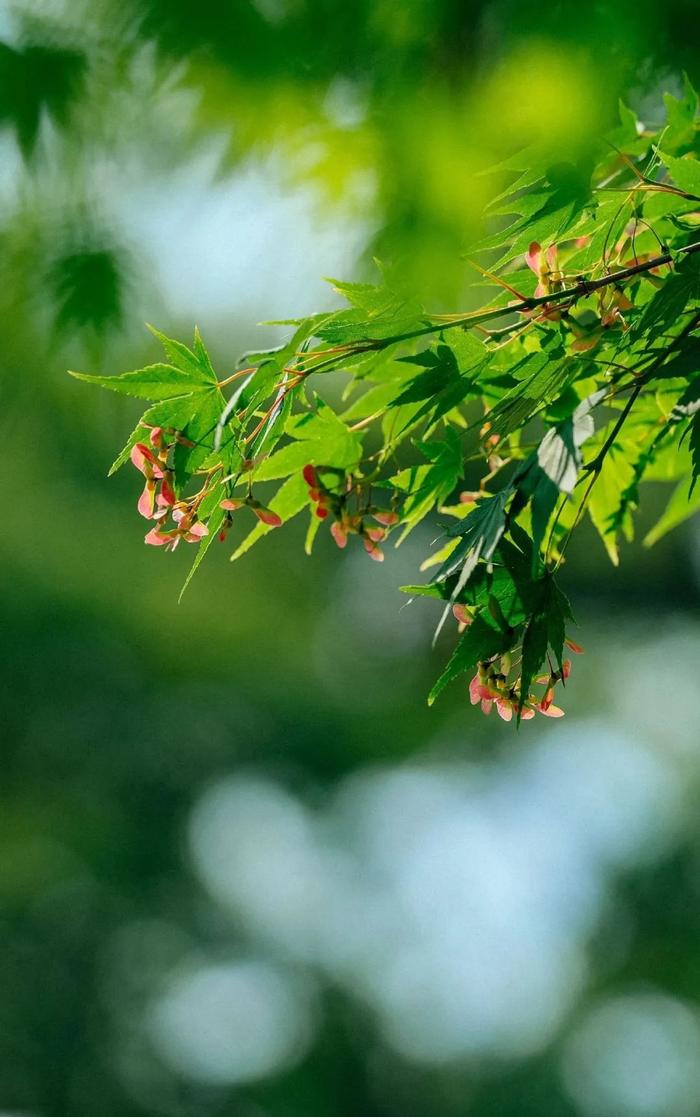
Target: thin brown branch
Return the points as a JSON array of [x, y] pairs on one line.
[[580, 290], [236, 376]]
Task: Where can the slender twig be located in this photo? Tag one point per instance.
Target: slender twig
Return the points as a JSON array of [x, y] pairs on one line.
[[596, 464], [579, 290], [650, 188], [236, 376]]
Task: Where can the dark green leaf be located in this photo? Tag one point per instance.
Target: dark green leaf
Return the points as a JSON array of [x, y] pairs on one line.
[[535, 643], [481, 641]]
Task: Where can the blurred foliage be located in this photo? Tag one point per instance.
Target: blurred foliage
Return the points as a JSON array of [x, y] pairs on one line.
[[406, 101], [118, 709], [38, 79], [87, 289]]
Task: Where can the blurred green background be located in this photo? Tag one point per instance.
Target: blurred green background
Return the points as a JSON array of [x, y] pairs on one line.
[[243, 869]]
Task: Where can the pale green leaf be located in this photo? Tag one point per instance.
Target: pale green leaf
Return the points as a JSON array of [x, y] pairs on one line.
[[680, 507], [154, 382]]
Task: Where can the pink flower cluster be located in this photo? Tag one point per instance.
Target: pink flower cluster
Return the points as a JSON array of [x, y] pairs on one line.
[[545, 265], [158, 499], [345, 523], [490, 686], [612, 301], [264, 514]]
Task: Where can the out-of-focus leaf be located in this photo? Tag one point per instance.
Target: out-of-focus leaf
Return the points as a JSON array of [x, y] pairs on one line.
[[35, 79], [88, 289], [681, 506], [681, 113], [685, 173]]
